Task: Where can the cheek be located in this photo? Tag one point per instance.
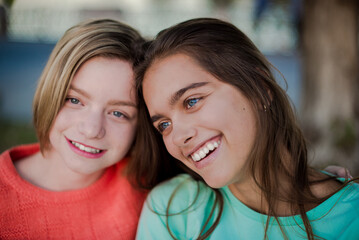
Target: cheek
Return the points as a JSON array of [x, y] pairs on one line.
[[214, 115], [131, 133], [67, 117], [122, 136], [171, 148], [61, 122]]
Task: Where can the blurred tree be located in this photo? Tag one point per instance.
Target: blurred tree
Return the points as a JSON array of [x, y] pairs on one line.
[[220, 8], [4, 12], [293, 6], [330, 107]]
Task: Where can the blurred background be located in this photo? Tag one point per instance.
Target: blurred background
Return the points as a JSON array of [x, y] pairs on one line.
[[313, 43]]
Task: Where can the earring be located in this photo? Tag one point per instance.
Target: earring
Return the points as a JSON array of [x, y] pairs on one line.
[[265, 107]]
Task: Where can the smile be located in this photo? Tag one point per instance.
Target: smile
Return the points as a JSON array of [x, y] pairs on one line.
[[205, 151], [85, 148]]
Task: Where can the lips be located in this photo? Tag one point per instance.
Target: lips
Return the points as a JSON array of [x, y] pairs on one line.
[[205, 150], [85, 148]]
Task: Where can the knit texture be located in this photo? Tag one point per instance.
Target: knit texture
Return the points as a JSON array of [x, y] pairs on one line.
[[108, 209]]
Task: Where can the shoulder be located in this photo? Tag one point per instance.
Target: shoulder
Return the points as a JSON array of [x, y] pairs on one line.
[[344, 202], [177, 183], [351, 230], [20, 151], [346, 211], [351, 195], [13, 155], [120, 167], [178, 207], [116, 178], [181, 192], [348, 197]]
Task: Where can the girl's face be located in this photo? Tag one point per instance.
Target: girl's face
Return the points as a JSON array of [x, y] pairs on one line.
[[207, 124], [95, 128]]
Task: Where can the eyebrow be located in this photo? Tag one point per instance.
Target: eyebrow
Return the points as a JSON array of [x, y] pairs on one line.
[[155, 118], [122, 103], [79, 91], [177, 95], [112, 102]]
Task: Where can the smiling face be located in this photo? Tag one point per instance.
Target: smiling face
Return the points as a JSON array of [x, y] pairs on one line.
[[95, 128], [207, 124]]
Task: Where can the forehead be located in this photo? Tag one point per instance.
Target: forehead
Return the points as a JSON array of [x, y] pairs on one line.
[[97, 66], [106, 76], [173, 72], [167, 79]]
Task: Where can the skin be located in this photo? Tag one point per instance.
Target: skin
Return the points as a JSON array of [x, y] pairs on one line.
[[99, 112], [192, 108]]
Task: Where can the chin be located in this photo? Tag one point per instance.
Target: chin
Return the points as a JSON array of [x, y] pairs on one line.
[[214, 183]]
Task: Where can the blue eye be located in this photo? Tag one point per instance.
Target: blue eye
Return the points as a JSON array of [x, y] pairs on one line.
[[118, 114], [73, 100], [163, 126], [191, 102]]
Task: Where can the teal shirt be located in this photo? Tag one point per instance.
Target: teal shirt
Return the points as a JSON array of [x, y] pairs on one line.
[[336, 218]]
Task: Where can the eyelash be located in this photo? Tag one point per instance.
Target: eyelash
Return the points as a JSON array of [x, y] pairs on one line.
[[187, 105], [187, 102], [122, 115], [160, 127], [70, 99], [75, 101]]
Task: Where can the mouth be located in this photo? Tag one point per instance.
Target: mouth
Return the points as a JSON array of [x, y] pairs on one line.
[[84, 148], [205, 150]]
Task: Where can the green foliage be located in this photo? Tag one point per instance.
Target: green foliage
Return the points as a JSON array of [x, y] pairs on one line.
[[9, 3], [344, 134], [13, 134], [222, 3]]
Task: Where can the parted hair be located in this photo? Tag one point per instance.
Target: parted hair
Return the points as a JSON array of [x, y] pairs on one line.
[[228, 54], [91, 38]]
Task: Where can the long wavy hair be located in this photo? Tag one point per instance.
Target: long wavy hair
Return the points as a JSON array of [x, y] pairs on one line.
[[229, 55]]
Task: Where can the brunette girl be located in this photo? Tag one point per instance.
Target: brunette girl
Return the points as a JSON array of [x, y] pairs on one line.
[[212, 98]]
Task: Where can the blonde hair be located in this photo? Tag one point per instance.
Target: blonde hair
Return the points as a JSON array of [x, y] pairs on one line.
[[103, 37]]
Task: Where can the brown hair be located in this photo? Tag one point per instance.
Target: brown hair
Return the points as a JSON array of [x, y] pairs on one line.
[[102, 37], [228, 54]]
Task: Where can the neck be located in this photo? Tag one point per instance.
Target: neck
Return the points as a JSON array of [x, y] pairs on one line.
[[250, 194], [254, 197], [49, 174]]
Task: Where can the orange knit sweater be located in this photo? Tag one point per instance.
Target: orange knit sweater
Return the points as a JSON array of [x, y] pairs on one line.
[[108, 209]]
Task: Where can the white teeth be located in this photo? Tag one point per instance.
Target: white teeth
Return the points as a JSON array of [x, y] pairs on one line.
[[202, 153], [206, 150], [95, 151], [196, 157], [83, 148], [210, 146]]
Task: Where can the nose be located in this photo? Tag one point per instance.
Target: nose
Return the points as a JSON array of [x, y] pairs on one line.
[[92, 125], [182, 133]]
